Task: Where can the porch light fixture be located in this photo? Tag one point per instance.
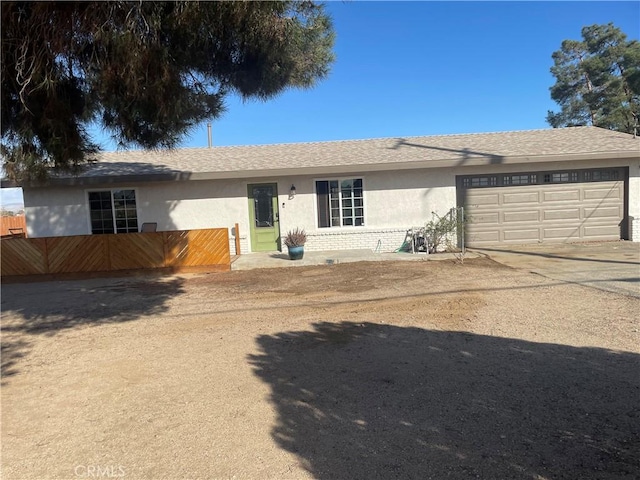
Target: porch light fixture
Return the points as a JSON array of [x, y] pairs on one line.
[[292, 191]]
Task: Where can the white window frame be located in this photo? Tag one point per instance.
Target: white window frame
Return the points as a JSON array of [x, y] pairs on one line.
[[340, 180], [113, 209]]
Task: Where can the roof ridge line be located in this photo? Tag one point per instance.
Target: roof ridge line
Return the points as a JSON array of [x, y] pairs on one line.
[[352, 140]]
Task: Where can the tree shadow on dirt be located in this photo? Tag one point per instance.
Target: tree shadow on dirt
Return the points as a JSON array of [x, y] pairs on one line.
[[10, 354], [362, 400], [51, 307]]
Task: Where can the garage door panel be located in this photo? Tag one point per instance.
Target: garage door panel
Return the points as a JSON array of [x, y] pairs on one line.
[[545, 212], [561, 214], [484, 217], [485, 199], [523, 216], [597, 232], [486, 237], [522, 235], [560, 233], [603, 212], [522, 197], [561, 196], [601, 192]]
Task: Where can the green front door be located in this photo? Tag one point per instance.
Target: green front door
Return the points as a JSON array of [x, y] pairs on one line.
[[263, 217]]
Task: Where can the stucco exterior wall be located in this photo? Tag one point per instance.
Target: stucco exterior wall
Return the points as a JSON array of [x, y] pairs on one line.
[[394, 201], [56, 212], [194, 205]]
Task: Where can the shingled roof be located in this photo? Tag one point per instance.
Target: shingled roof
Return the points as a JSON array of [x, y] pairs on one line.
[[529, 146]]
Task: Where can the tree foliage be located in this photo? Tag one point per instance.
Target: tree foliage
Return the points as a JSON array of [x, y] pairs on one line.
[[147, 72], [597, 80]]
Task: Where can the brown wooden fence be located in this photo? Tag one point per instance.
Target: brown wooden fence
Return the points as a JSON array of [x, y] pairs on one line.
[[176, 250], [13, 226]]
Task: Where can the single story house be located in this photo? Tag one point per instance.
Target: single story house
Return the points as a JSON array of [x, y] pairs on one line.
[[551, 185]]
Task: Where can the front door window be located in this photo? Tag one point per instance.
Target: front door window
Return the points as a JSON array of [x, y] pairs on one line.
[[263, 205]]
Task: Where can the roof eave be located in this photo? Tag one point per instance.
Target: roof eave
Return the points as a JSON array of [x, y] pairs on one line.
[[329, 169]]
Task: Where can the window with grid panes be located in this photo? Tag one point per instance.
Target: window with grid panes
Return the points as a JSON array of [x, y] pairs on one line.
[[340, 203], [560, 177], [475, 182], [526, 179], [113, 211], [600, 175]]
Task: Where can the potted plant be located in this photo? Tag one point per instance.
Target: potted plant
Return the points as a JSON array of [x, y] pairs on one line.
[[295, 241]]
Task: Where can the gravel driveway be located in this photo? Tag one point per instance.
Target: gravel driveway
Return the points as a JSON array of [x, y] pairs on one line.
[[363, 370]]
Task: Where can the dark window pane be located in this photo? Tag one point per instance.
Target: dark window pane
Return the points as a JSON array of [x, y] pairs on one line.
[[263, 206], [100, 212], [322, 192]]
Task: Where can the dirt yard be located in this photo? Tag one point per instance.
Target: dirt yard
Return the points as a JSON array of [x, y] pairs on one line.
[[350, 371]]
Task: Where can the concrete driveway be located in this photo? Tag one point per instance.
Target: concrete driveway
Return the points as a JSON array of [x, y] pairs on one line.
[[608, 266]]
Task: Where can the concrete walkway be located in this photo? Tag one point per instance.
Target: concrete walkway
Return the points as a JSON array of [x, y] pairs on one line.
[[281, 259]]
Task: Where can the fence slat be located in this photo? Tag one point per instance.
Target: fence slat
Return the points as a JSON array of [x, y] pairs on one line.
[[131, 251], [134, 251], [23, 256], [195, 248], [77, 254]]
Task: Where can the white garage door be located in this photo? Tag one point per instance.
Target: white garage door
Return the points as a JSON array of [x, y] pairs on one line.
[[544, 207]]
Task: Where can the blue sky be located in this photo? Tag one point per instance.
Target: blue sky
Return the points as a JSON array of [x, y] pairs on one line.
[[422, 68], [425, 68]]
